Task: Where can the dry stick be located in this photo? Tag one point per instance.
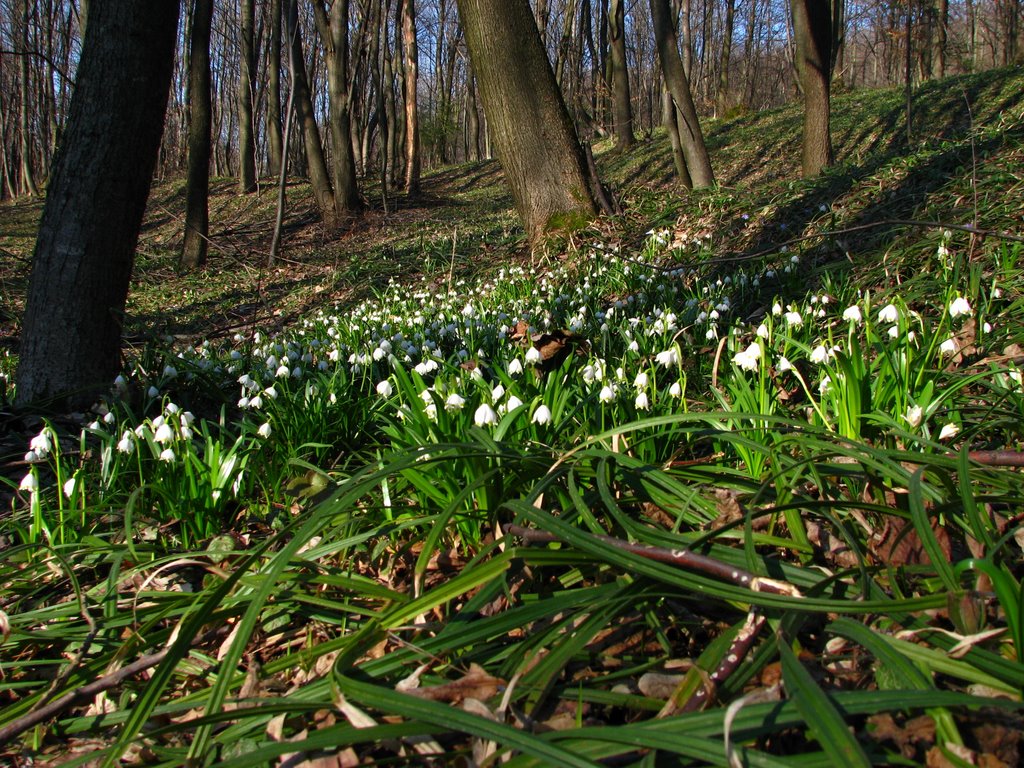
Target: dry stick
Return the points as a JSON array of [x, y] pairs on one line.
[[738, 651], [87, 691], [681, 558], [997, 458]]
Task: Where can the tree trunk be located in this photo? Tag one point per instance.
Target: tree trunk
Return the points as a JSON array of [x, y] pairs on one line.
[[247, 64], [197, 191], [411, 80], [472, 120], [812, 31], [319, 176], [536, 143], [698, 162], [621, 99], [941, 35], [334, 34], [28, 181], [71, 334], [275, 148], [671, 121], [722, 93]]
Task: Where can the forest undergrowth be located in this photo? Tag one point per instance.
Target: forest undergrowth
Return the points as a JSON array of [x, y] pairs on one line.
[[733, 479]]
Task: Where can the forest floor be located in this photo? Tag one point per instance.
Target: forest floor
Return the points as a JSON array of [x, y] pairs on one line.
[[731, 478]]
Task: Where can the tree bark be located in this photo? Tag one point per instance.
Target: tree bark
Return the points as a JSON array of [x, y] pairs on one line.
[[622, 103], [722, 92], [319, 176], [812, 30], [536, 143], [197, 190], [28, 181], [275, 149], [698, 162], [247, 65], [71, 334], [411, 80]]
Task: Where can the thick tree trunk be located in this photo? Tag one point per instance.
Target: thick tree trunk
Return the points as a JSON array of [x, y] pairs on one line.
[[71, 334], [319, 176], [698, 162], [671, 121], [722, 93], [246, 89], [275, 149], [334, 35], [622, 103], [812, 30], [536, 143], [197, 191], [941, 35], [411, 80]]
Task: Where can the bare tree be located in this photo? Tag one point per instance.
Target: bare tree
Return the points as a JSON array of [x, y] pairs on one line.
[[197, 189], [813, 33], [71, 334], [246, 89], [621, 100], [411, 80]]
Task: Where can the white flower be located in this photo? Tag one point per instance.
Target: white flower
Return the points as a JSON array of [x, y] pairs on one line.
[[497, 393], [29, 483], [819, 354], [641, 381], [676, 390], [512, 403], [31, 456], [153, 392], [485, 416], [642, 403], [515, 367], [454, 402], [126, 444], [41, 444], [894, 331], [948, 431], [888, 314], [167, 455], [256, 402], [634, 346], [668, 357], [69, 486], [948, 347], [164, 434], [959, 307], [825, 385], [784, 364], [270, 392], [384, 388], [264, 430], [542, 415], [794, 319], [747, 359], [607, 394], [762, 331], [170, 371], [430, 409], [914, 415], [120, 384], [852, 314], [776, 309], [533, 356]]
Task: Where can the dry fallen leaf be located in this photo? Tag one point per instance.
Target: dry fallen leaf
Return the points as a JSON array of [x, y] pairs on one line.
[[475, 684]]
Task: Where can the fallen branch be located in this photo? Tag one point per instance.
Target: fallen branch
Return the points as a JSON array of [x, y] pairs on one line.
[[997, 458]]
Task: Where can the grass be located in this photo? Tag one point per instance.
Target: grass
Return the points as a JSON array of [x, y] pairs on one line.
[[713, 482]]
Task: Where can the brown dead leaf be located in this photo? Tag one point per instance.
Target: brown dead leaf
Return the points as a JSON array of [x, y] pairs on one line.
[[908, 737], [475, 684], [897, 543], [658, 685]]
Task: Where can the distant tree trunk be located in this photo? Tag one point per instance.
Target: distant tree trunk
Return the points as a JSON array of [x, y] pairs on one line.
[[941, 36], [536, 143], [28, 180], [247, 64], [813, 33], [334, 34], [71, 334], [197, 190], [722, 93], [749, 61], [411, 80], [472, 120], [319, 176], [698, 162], [275, 149], [671, 120], [621, 99]]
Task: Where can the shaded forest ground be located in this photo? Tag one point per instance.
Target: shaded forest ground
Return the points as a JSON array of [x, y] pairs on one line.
[[464, 225]]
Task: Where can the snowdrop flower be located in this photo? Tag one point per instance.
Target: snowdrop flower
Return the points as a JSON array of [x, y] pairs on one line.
[[29, 483], [948, 347], [747, 359], [264, 430], [109, 418], [888, 314], [164, 434], [512, 403], [542, 415], [31, 456], [430, 409], [167, 455], [485, 416], [676, 390], [126, 445], [762, 331], [914, 415], [384, 388], [243, 402], [270, 392], [795, 319], [41, 444], [819, 354], [948, 431], [454, 402], [784, 364], [533, 356], [959, 307], [776, 309], [642, 402], [170, 371], [69, 487], [712, 333], [153, 392], [185, 432], [120, 384], [256, 402], [607, 394], [825, 385], [497, 393], [641, 381], [515, 367], [894, 331], [987, 327], [668, 358], [852, 314]]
